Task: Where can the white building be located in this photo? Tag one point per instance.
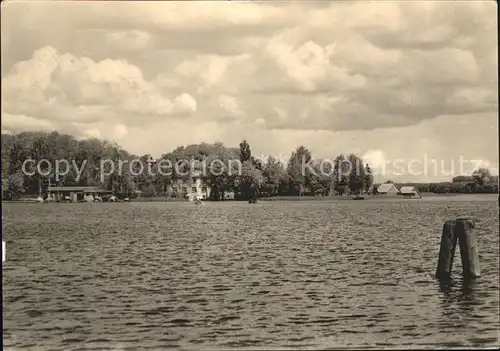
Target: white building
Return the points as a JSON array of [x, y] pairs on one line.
[[387, 189], [195, 187], [409, 191]]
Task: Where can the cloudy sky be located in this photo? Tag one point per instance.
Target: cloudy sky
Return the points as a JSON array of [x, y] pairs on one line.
[[387, 80]]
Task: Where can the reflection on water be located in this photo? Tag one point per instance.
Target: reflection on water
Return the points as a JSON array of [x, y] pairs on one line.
[[457, 302], [462, 303], [226, 275]]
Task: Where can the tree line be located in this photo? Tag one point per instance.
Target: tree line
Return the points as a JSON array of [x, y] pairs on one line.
[[258, 178]]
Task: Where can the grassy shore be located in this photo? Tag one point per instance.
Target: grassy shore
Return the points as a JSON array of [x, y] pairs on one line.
[[158, 199], [144, 199], [275, 198]]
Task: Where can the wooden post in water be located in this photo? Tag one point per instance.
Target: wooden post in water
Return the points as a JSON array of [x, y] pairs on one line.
[[446, 250], [460, 230], [469, 250]]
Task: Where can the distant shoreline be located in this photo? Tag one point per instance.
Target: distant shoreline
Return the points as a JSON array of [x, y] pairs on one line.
[[294, 198], [368, 197]]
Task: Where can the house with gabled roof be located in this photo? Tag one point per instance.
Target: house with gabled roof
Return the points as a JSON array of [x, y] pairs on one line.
[[409, 191], [387, 189]]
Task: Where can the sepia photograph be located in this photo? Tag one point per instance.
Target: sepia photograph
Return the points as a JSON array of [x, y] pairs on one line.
[[249, 175]]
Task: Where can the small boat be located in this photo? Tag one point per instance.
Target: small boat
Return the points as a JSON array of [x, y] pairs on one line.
[[112, 198], [198, 201]]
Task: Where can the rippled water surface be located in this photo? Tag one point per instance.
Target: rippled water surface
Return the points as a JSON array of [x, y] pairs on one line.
[[312, 274]]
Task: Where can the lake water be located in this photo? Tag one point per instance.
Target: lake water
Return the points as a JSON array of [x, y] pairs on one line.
[[312, 274]]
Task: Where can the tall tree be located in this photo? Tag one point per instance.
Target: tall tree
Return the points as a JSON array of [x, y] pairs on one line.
[[298, 173], [275, 176], [368, 178], [357, 175], [250, 181], [245, 152], [222, 171], [341, 174], [320, 181], [481, 177], [13, 185]]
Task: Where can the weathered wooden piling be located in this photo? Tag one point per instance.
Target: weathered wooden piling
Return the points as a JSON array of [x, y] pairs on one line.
[[447, 250], [469, 248], [458, 230]]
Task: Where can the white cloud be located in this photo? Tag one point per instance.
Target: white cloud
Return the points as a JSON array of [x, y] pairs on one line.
[[310, 66], [185, 103], [130, 39], [19, 123], [230, 104], [216, 73], [281, 113], [376, 158], [260, 121], [66, 88], [92, 133], [120, 131], [204, 14]]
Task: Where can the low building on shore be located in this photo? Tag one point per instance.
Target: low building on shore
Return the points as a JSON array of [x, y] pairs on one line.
[[409, 191], [387, 189], [75, 193]]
